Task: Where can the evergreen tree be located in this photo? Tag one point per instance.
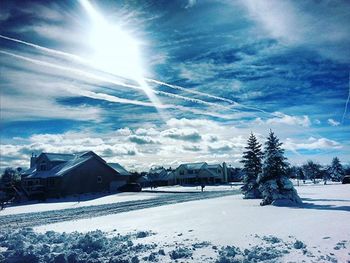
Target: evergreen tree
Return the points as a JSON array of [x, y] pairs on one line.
[[252, 161], [336, 170], [273, 182]]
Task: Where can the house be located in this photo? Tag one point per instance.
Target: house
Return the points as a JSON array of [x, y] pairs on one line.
[[234, 174], [143, 181], [54, 175], [159, 176], [200, 173]]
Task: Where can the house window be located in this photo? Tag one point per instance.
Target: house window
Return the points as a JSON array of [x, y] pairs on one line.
[[99, 179], [190, 171], [42, 166], [182, 172]]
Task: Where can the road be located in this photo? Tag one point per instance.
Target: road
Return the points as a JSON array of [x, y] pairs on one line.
[[49, 217]]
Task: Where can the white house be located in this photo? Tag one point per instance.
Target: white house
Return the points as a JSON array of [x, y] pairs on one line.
[[200, 173]]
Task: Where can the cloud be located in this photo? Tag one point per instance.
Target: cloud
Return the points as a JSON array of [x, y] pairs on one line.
[[333, 122], [282, 118], [19, 108], [190, 3], [305, 24], [191, 135], [192, 148], [311, 144], [141, 139]]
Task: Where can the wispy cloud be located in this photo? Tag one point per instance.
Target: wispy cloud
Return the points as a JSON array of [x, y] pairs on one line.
[[333, 122]]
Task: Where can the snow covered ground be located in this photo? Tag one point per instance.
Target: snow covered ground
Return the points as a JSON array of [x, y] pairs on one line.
[[74, 202], [210, 188], [223, 229]]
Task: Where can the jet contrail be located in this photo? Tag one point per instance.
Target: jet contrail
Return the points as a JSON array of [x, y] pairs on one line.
[[234, 103], [346, 103], [48, 50], [115, 99], [103, 79], [84, 61], [112, 98]]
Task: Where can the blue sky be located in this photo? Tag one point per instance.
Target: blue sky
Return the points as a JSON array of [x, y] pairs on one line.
[[174, 81]]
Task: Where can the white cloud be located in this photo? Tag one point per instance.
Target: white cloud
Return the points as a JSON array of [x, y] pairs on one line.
[[175, 142], [185, 134], [304, 23], [282, 118], [311, 144], [333, 122]]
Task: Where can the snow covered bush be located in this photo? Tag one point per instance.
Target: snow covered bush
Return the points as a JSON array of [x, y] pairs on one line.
[[96, 246], [274, 184], [252, 161], [181, 252]]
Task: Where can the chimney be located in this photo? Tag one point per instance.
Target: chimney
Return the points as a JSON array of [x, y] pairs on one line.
[[224, 165], [33, 160]]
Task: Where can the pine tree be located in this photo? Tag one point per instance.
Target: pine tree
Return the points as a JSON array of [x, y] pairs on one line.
[[336, 170], [252, 160], [274, 184]]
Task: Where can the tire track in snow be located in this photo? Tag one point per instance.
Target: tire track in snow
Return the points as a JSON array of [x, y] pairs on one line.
[[55, 216]]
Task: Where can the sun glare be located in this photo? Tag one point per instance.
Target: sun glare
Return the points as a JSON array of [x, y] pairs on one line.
[[114, 50], [117, 52]]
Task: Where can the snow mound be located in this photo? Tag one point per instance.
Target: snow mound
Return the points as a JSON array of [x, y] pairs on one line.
[[96, 246], [28, 246], [284, 202]]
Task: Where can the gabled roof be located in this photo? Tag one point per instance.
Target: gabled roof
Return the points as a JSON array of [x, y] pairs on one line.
[[69, 162], [193, 166], [120, 169], [58, 170], [214, 166], [59, 157], [158, 170]]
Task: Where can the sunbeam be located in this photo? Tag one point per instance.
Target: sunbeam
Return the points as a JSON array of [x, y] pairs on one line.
[[116, 52]]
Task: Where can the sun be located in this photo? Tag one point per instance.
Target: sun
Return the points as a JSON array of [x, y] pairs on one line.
[[113, 49], [117, 52]]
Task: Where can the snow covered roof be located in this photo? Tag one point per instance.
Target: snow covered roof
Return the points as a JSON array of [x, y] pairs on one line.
[[61, 157], [68, 162], [120, 169], [213, 166], [58, 170]]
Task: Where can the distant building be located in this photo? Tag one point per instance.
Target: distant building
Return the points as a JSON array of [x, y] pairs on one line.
[[200, 173], [54, 175], [160, 176]]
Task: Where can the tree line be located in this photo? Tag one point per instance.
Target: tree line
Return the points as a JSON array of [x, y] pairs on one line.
[[267, 172]]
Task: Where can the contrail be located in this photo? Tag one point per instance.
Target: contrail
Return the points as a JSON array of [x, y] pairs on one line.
[[84, 61], [48, 50], [234, 103], [103, 79], [115, 99], [347, 102], [112, 98]]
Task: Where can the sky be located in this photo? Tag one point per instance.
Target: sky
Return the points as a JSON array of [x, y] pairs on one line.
[[146, 83]]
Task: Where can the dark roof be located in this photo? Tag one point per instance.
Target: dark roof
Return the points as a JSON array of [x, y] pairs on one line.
[[120, 169], [58, 170], [69, 162], [59, 157]]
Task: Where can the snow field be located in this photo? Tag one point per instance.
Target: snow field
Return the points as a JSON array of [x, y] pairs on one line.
[[321, 225]]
